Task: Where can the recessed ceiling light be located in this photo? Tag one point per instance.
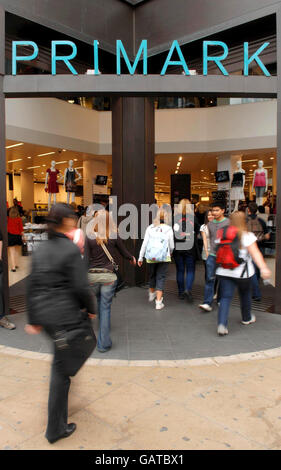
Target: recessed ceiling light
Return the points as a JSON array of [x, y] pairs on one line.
[[14, 145], [31, 167], [29, 157], [44, 154], [180, 158], [12, 161]]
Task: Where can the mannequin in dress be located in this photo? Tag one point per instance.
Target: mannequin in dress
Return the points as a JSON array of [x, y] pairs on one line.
[[51, 184], [71, 176], [260, 182], [237, 185]]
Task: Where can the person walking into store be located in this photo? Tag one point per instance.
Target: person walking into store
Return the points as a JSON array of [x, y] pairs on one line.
[[102, 246], [220, 221], [240, 276], [258, 226], [15, 231], [157, 248], [60, 301], [186, 229], [205, 237], [4, 322]]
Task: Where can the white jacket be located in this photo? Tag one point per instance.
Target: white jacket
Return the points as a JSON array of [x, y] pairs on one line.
[[167, 230]]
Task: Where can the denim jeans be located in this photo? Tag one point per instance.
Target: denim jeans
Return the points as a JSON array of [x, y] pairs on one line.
[[185, 263], [210, 279], [157, 275], [227, 288], [104, 294]]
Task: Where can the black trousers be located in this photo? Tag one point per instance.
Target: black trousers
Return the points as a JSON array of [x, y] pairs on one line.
[[60, 382], [58, 400]]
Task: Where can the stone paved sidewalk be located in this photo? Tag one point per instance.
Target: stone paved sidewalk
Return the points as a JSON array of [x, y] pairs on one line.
[[224, 403]]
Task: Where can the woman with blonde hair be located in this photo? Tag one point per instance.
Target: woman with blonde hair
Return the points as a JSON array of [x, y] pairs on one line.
[[102, 246], [15, 230], [157, 248], [241, 275], [186, 229]]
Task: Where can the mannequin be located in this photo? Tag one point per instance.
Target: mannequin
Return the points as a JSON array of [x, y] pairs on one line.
[[51, 184], [260, 182], [70, 181], [237, 185]]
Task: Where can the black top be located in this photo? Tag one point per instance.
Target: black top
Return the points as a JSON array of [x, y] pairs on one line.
[[58, 288], [1, 236], [70, 176], [186, 224], [237, 181], [96, 257]]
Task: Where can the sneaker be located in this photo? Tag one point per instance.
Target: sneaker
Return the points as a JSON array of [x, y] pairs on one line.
[[159, 304], [253, 320], [206, 307], [222, 330], [5, 323], [151, 296]]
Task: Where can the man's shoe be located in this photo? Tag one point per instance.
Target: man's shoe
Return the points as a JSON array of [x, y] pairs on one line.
[[256, 299], [182, 296], [69, 430], [253, 320], [5, 323], [222, 330], [206, 307]]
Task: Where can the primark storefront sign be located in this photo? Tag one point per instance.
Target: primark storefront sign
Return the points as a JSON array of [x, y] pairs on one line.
[[141, 55]]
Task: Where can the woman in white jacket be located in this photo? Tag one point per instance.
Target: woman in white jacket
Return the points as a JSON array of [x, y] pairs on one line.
[[157, 248]]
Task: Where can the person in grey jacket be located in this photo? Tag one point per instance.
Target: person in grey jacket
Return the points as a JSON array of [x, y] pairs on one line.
[[59, 299]]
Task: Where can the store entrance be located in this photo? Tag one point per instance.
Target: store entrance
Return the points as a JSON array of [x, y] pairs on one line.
[[210, 177], [29, 196]]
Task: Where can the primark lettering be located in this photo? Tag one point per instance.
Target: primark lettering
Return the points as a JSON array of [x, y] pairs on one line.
[[141, 55]]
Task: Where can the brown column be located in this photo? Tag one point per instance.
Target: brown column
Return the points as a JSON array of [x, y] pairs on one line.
[[276, 308], [133, 164], [3, 207]]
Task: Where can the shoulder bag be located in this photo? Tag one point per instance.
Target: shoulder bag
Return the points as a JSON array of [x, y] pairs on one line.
[[120, 282]]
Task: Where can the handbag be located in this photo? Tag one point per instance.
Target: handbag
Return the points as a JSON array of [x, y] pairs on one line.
[[101, 275], [73, 346], [121, 284]]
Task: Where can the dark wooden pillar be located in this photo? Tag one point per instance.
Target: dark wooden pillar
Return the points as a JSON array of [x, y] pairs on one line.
[[277, 306], [133, 164], [3, 207]]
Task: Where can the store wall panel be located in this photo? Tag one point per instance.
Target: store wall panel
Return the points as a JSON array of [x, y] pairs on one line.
[[56, 123], [160, 22], [85, 19]]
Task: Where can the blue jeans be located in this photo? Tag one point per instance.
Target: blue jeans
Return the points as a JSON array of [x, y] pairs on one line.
[[210, 279], [104, 294], [255, 283], [157, 275], [185, 262], [227, 288]]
